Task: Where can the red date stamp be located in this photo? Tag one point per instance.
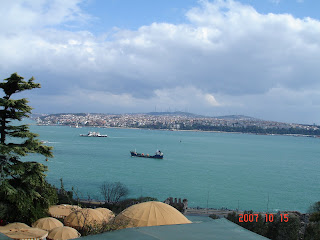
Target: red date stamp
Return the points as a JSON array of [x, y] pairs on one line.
[[269, 217]]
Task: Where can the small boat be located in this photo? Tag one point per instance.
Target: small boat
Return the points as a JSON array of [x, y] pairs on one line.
[[75, 126], [158, 155], [93, 134]]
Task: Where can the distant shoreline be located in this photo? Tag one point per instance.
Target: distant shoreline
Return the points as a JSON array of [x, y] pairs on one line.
[[191, 130]]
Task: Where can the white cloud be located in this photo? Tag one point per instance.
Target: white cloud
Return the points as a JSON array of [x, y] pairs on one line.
[[83, 100], [29, 15], [224, 51], [211, 100]]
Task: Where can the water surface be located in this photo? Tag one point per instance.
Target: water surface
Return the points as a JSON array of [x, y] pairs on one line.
[[219, 169]]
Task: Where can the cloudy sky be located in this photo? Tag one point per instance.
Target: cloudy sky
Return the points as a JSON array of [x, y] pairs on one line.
[[254, 57]]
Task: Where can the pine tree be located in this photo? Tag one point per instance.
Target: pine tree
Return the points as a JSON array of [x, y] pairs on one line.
[[25, 194]]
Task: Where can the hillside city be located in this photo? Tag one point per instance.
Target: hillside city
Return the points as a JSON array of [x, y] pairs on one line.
[[174, 121]]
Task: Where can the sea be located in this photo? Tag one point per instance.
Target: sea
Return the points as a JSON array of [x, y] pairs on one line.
[[209, 169]]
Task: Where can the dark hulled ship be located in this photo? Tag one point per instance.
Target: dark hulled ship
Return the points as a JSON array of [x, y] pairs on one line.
[[158, 155]]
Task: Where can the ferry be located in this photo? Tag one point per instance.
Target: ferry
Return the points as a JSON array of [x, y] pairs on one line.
[[158, 155], [93, 134]]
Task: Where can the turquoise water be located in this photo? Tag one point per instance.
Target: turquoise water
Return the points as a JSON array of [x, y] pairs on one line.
[[219, 169]]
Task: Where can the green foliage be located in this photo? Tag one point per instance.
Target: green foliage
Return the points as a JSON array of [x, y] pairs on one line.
[[247, 129], [146, 199], [258, 226], [213, 216], [11, 110], [25, 194], [121, 205], [315, 212], [314, 208], [285, 230], [65, 197], [275, 230], [104, 227], [312, 231], [315, 217]]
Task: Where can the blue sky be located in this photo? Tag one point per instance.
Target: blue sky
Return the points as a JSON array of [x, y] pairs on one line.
[[253, 57], [134, 14], [130, 14]]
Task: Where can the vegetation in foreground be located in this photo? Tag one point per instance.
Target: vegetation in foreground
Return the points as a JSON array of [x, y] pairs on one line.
[[276, 230], [312, 231], [25, 195], [114, 195], [295, 228]]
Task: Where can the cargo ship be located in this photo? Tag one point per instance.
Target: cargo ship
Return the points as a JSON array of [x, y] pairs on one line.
[[158, 155]]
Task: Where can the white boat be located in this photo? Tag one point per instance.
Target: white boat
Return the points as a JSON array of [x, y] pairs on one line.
[[76, 126], [93, 134]]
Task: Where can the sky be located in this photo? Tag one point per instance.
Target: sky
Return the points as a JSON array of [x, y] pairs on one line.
[[258, 58]]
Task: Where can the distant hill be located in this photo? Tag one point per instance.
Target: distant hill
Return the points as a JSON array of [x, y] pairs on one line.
[[177, 113], [240, 117], [187, 114]]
